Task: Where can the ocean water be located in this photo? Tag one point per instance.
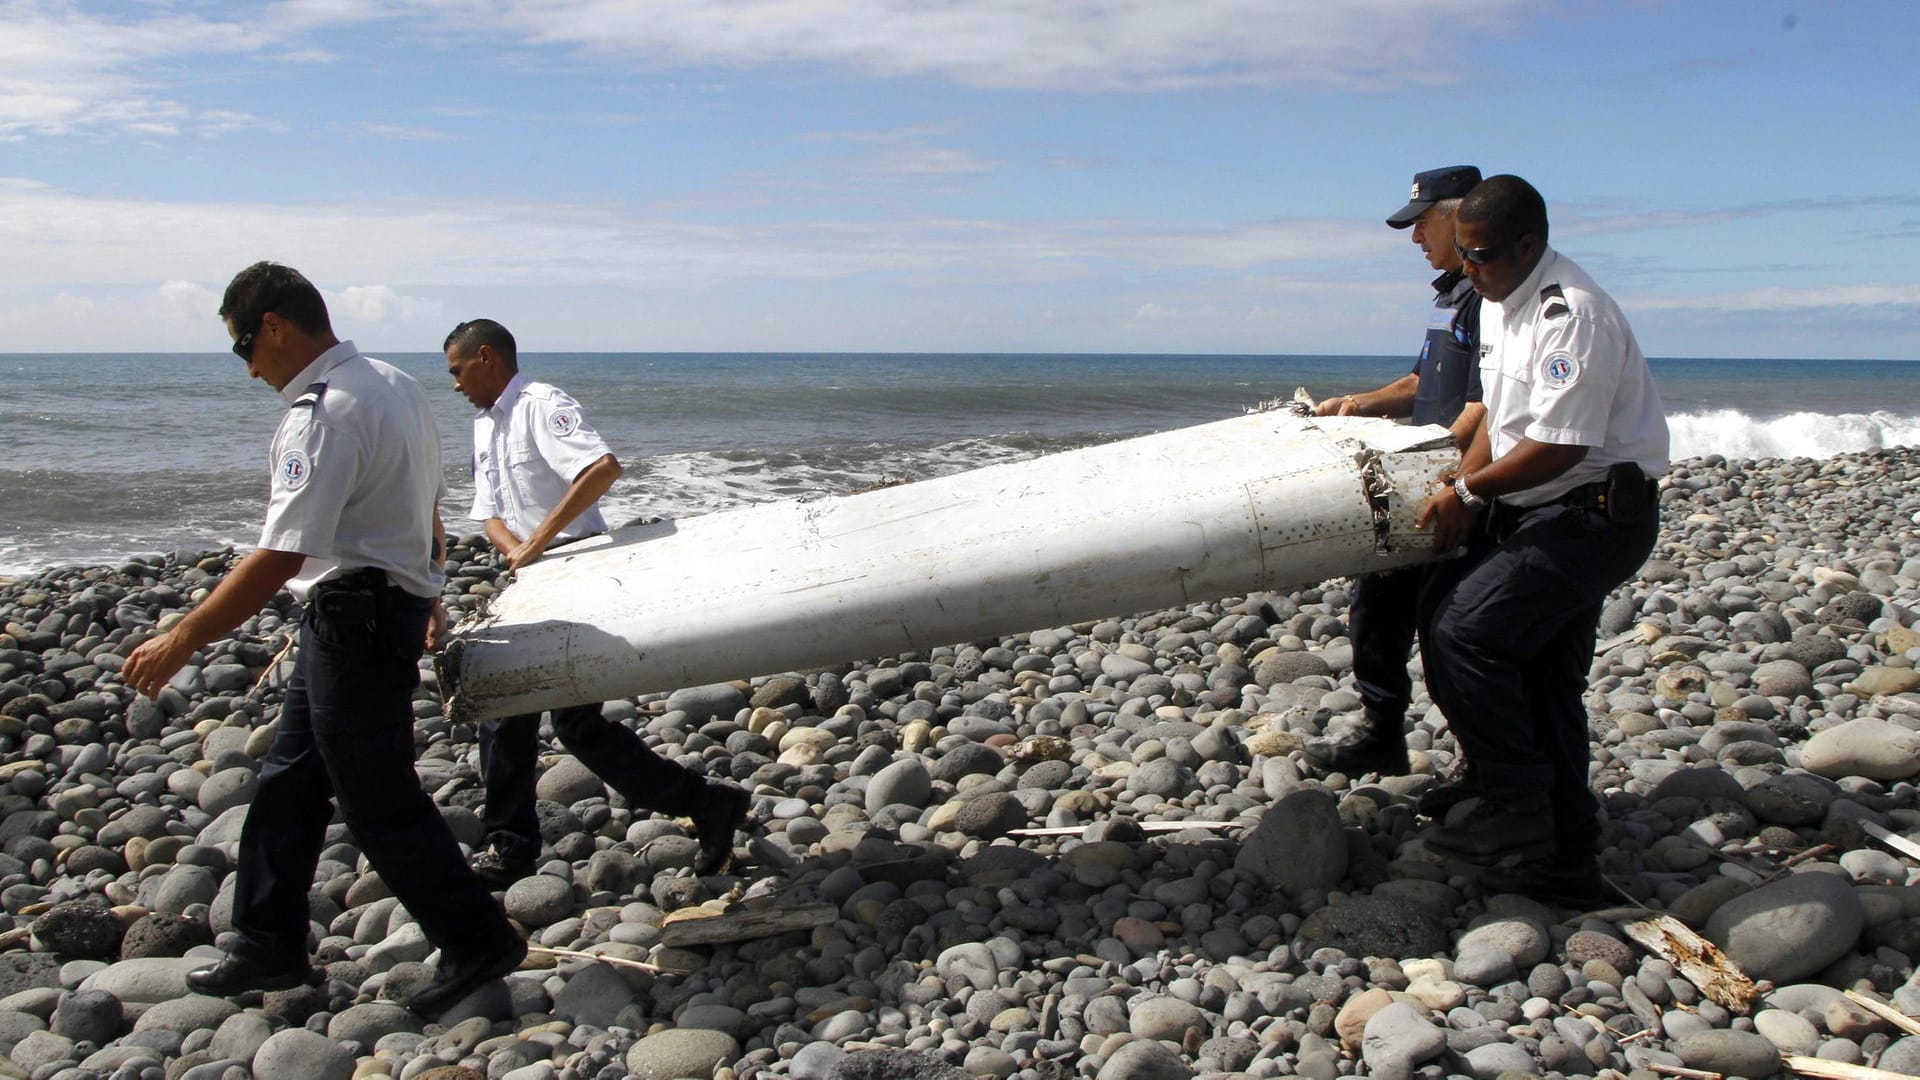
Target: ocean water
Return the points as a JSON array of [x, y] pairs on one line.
[[103, 456]]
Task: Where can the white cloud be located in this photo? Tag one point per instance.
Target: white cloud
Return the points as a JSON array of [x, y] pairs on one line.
[[59, 238], [65, 68], [1785, 298], [379, 304], [1030, 44], [189, 301]]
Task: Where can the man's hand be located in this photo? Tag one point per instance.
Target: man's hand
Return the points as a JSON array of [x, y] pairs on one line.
[[1452, 524], [526, 552], [436, 626], [1344, 405], [151, 665]]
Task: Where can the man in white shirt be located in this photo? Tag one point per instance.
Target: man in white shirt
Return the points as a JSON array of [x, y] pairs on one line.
[[539, 470], [353, 528], [1573, 438]]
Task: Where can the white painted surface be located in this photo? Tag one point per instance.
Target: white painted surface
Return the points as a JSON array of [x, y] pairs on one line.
[[1264, 501]]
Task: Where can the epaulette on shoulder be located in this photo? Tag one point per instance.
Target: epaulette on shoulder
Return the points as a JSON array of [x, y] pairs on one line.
[[311, 396], [1553, 303]]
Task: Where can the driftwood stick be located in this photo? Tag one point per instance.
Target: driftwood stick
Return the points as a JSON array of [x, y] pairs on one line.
[[616, 961], [1885, 1012], [1892, 839], [690, 926], [1834, 1070], [1682, 1070], [1144, 826], [1697, 958]]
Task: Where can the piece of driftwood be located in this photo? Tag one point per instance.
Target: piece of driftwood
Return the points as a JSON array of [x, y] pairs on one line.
[[1836, 1070], [1698, 959], [1885, 1012], [1144, 826], [694, 926], [1892, 839], [616, 961]]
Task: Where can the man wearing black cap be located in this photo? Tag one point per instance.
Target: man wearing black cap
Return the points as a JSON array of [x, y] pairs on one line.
[[1443, 388]]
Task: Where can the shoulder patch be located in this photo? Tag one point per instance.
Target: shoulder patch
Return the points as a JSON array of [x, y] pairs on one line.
[[1553, 303], [1561, 370], [311, 396], [563, 422], [294, 469]]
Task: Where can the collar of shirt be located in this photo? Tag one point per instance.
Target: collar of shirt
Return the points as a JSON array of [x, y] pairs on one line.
[[503, 405], [313, 372], [1447, 282]]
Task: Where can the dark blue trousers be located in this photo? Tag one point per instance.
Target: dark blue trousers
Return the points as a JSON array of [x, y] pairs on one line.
[[346, 733], [1381, 619], [1511, 643], [510, 745]]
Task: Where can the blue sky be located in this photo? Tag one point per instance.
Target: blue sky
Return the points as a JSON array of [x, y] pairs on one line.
[[947, 175]]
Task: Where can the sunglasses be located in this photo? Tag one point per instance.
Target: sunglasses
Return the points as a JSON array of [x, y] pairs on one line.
[[243, 345], [1481, 256]]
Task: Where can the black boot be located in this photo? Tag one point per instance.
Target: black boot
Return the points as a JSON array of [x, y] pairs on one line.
[[1502, 824], [1569, 882], [1382, 750], [721, 814]]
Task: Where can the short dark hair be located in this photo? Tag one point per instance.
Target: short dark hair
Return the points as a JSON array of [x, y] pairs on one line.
[[1507, 203], [268, 286], [473, 333]]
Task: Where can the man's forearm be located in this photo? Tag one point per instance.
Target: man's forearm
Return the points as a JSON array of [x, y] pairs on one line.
[[1528, 465], [586, 489], [239, 596]]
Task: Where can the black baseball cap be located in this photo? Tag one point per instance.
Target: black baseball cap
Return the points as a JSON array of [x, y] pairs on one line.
[[1432, 186]]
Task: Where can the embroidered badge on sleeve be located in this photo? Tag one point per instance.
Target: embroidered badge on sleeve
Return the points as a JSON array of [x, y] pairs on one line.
[[563, 422], [1561, 370], [295, 467]]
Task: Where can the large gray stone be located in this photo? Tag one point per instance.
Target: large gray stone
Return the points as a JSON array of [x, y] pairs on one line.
[[1730, 1053], [1396, 1039], [1145, 1059], [704, 703], [1376, 925], [145, 981], [539, 899], [681, 1054], [904, 781], [299, 1054], [1876, 749], [1298, 845], [1789, 928], [567, 781]]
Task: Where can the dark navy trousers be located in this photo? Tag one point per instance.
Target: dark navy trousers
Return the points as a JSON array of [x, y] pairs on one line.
[[346, 733], [510, 745], [1381, 619], [1511, 644]]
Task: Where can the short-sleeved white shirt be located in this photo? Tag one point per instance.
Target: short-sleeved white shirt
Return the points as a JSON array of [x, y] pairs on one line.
[[356, 474], [527, 450], [1559, 364]]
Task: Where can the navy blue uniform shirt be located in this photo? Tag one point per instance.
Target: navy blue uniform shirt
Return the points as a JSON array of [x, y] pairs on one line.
[[1449, 364]]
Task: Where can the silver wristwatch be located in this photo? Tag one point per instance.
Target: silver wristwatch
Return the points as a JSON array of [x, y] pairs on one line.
[[1467, 498]]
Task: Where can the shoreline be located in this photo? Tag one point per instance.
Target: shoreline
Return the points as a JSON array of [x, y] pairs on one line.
[[1754, 700]]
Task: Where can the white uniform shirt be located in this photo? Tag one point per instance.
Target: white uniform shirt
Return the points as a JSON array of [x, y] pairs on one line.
[[1559, 364], [356, 474], [527, 450]]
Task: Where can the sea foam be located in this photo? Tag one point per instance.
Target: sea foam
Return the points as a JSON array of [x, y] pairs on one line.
[[1733, 434]]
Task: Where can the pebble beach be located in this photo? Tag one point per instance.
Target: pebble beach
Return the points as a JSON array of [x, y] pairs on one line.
[[1083, 851]]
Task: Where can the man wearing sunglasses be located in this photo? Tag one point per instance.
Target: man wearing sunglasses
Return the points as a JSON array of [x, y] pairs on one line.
[[1573, 436], [539, 470], [1443, 388], [353, 528]]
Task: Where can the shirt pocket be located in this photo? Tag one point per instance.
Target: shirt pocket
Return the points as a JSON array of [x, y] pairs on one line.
[[525, 469]]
